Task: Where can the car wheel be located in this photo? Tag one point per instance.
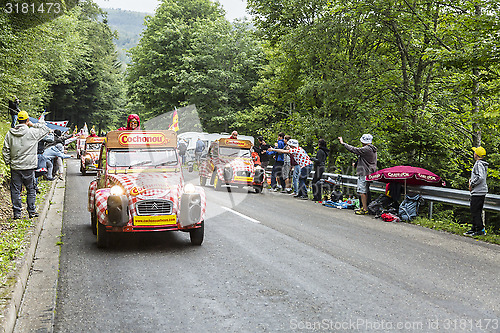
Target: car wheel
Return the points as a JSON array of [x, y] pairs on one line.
[[203, 181], [258, 188], [196, 235], [93, 221], [102, 236]]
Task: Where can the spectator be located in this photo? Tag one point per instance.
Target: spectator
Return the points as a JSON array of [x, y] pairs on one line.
[[478, 189], [262, 151], [14, 110], [285, 171], [20, 153], [278, 163], [295, 175], [255, 157], [198, 150], [53, 154], [319, 168], [303, 160], [366, 164], [234, 135], [182, 147], [133, 123]]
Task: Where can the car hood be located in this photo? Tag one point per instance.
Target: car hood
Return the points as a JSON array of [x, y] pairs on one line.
[[146, 185]]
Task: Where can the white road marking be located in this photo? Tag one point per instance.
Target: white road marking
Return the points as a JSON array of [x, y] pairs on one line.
[[241, 215]]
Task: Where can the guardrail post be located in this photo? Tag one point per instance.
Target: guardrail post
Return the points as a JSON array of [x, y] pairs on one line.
[[431, 206]]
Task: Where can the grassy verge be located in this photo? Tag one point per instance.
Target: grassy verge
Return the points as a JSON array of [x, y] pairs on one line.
[[15, 235], [447, 223]]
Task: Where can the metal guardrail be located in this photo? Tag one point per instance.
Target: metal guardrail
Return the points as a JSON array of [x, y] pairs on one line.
[[429, 193]]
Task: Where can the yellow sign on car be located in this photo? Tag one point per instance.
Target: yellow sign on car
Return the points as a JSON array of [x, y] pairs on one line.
[[155, 220]]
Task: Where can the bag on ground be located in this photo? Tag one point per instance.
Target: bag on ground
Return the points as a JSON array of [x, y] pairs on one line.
[[409, 207]]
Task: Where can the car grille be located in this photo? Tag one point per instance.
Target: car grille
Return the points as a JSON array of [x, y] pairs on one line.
[[154, 207], [243, 173]]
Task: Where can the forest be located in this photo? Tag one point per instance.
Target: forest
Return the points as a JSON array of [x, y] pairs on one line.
[[421, 76]]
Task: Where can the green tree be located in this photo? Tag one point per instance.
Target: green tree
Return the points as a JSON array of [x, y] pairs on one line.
[[157, 60]]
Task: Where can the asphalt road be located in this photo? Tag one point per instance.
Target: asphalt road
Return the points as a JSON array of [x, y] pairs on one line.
[[273, 263]]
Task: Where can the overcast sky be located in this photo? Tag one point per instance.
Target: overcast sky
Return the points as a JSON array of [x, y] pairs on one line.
[[234, 8]]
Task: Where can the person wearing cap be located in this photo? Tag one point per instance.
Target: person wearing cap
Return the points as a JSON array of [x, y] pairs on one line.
[[301, 157], [478, 189], [367, 164], [234, 135], [20, 153]]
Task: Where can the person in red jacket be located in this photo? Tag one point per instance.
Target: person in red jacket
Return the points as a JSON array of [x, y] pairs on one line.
[[133, 123]]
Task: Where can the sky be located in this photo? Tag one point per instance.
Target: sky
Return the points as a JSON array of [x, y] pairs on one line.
[[234, 8]]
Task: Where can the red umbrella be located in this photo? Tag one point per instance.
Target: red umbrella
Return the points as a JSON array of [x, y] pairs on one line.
[[407, 175]]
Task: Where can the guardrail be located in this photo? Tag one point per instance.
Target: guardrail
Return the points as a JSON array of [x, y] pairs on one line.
[[430, 193]]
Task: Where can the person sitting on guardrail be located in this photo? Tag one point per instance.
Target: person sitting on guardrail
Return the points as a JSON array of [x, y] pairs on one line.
[[367, 164], [478, 189]]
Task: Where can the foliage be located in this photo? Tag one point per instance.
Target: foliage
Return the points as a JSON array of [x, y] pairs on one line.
[[14, 236], [65, 65], [128, 26], [190, 54]]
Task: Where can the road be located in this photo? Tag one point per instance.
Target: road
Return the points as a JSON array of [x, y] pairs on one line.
[[272, 263]]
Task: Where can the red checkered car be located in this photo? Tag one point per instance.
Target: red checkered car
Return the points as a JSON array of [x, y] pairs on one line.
[[229, 162], [90, 154], [140, 188]]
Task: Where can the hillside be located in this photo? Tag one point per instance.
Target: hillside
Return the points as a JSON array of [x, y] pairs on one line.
[[129, 26]]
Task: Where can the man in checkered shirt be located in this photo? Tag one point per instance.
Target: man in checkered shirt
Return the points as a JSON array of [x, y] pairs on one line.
[[301, 157]]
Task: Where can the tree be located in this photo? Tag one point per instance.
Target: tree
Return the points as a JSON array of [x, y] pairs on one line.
[[157, 60]]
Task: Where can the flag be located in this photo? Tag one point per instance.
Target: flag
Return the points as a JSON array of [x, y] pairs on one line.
[[175, 122], [58, 123], [85, 130]]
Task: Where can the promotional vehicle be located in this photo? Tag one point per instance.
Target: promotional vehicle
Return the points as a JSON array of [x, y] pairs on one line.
[[140, 188], [90, 154], [229, 162], [80, 145]]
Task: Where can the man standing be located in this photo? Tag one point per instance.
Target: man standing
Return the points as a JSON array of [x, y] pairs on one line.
[[198, 150], [367, 164], [14, 110], [278, 163], [303, 160], [478, 190], [20, 152]]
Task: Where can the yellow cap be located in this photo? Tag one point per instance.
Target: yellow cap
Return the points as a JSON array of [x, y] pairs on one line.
[[22, 115], [480, 151]]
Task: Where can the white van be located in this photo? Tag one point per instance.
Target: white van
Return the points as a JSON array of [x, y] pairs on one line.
[[207, 138]]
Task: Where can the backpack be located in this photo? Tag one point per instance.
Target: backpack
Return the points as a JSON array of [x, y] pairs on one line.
[[409, 207], [380, 204]]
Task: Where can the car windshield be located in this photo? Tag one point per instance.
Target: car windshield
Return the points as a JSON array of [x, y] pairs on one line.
[[93, 146], [142, 157], [234, 152]]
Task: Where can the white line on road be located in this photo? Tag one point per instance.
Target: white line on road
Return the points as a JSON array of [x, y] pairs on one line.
[[242, 215]]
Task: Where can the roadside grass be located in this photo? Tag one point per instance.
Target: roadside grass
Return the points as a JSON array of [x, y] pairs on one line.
[[15, 235], [446, 222]]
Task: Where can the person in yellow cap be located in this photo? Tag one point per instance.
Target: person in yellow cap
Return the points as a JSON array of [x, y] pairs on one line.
[[20, 153], [478, 189]]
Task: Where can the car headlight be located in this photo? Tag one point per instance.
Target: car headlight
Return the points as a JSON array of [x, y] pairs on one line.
[[116, 190], [189, 188]]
